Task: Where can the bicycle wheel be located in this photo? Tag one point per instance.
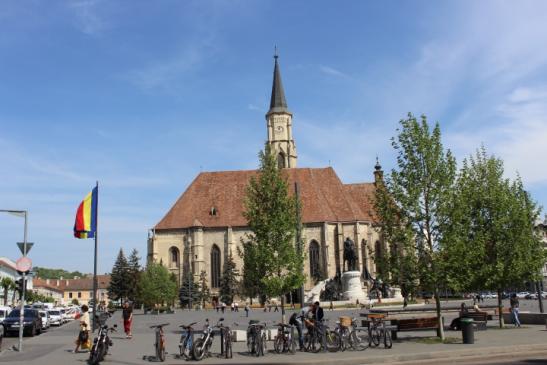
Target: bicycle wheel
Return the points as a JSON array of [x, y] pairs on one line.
[[278, 344], [333, 341], [315, 344], [292, 345], [388, 343], [359, 340], [199, 349], [228, 346], [374, 337]]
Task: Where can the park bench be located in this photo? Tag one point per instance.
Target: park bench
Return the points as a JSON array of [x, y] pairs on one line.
[[480, 319], [414, 324]]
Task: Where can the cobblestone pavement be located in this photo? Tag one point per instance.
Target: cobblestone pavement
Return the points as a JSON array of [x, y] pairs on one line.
[[55, 347]]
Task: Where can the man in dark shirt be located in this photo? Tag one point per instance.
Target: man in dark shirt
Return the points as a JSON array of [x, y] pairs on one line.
[[318, 316], [514, 301], [127, 319]]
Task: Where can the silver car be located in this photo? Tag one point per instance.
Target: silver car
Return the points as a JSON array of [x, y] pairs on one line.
[[46, 321], [55, 317]]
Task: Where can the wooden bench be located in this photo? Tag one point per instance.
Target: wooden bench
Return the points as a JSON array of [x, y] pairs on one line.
[[414, 324], [480, 318]]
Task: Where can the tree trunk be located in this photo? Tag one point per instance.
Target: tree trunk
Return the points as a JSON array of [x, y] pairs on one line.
[[283, 308], [5, 296], [500, 308], [440, 329]]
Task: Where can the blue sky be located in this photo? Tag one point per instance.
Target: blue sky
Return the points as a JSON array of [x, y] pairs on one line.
[[142, 96]]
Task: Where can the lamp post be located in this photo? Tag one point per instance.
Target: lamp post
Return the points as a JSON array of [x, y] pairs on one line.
[[21, 213]]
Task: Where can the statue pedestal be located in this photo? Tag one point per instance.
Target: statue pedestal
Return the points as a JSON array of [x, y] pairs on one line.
[[351, 286], [395, 292]]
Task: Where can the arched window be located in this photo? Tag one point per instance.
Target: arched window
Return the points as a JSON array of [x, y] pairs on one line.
[[281, 160], [215, 267], [174, 257], [315, 269]]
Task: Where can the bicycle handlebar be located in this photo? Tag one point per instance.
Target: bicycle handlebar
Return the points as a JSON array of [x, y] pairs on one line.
[[160, 325]]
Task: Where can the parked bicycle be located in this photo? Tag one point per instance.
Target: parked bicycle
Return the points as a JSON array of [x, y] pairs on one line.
[[256, 338], [351, 336], [187, 341], [378, 331], [313, 339], [102, 342], [285, 340], [202, 346], [159, 345]]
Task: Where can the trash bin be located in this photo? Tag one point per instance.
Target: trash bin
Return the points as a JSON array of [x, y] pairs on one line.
[[468, 335]]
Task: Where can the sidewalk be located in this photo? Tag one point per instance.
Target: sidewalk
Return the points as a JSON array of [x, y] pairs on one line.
[[53, 348]]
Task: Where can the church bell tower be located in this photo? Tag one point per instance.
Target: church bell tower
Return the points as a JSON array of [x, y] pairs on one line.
[[279, 120]]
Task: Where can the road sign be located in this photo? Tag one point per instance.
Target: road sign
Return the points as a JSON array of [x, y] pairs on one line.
[[23, 264], [21, 246]]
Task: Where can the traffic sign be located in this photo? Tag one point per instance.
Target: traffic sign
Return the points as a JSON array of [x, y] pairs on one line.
[[21, 246], [23, 264]]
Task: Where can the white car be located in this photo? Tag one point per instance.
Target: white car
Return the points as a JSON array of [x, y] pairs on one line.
[[55, 317], [46, 321], [4, 312], [522, 294], [64, 314]]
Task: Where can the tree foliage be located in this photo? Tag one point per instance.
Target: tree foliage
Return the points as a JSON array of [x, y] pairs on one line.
[[272, 218], [133, 274], [411, 207], [119, 286], [45, 273], [229, 284], [156, 286], [7, 284], [189, 290], [204, 293], [491, 242]]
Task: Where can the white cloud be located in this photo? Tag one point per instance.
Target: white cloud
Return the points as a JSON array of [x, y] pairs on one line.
[[87, 19], [331, 71]]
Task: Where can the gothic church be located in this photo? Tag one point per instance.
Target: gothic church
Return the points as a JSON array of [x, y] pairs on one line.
[[206, 222]]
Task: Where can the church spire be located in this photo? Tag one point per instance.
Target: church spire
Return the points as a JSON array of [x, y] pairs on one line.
[[278, 104]]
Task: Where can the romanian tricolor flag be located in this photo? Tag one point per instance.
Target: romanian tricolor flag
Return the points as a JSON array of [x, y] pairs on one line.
[[85, 225]]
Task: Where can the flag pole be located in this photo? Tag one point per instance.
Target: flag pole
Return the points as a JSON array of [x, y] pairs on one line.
[[95, 261]]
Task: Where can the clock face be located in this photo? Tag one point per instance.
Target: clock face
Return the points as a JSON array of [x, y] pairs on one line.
[[278, 129]]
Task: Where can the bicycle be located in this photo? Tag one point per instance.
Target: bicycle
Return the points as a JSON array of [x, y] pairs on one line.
[[256, 338], [378, 332], [160, 341], [187, 341], [202, 346], [313, 339], [226, 338], [350, 335], [284, 340]]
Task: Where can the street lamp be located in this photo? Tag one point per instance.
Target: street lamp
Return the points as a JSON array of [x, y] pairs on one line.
[[24, 214]]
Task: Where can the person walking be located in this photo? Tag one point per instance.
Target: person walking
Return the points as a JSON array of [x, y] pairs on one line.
[[236, 307], [127, 314], [83, 339], [223, 307], [247, 308], [514, 301], [276, 308]]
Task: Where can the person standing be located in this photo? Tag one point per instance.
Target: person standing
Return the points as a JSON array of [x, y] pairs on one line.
[[247, 310], [276, 308], [85, 326], [127, 314], [514, 301], [319, 316], [236, 307], [296, 321]]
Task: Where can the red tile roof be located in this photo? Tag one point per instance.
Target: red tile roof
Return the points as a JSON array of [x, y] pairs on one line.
[[73, 284], [324, 199]]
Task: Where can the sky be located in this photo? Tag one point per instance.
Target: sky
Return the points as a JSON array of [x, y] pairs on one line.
[[142, 96]]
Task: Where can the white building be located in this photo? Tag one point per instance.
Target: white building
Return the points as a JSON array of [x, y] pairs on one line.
[[8, 270]]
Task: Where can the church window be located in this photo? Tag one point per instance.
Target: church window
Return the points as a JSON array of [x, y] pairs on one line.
[[213, 211], [174, 257], [315, 269], [281, 160], [215, 267]]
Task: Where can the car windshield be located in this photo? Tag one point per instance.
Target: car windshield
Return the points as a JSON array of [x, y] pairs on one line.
[[2, 313], [55, 313], [14, 313]]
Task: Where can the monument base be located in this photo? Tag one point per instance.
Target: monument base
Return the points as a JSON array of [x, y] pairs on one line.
[[351, 287]]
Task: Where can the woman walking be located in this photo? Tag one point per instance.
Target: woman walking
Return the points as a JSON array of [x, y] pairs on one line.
[[127, 319], [83, 339]]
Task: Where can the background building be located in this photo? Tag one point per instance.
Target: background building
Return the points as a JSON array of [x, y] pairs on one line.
[[64, 291], [206, 223], [8, 270]]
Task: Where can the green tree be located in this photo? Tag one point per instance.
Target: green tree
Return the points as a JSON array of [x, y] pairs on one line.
[[411, 207], [7, 284], [228, 281], [253, 272], [133, 274], [492, 232], [119, 286], [189, 290], [46, 273], [204, 294], [156, 286], [272, 218]]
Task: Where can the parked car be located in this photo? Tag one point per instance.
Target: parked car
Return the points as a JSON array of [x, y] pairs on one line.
[[64, 315], [46, 322], [522, 294], [4, 312], [55, 317], [32, 322]]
